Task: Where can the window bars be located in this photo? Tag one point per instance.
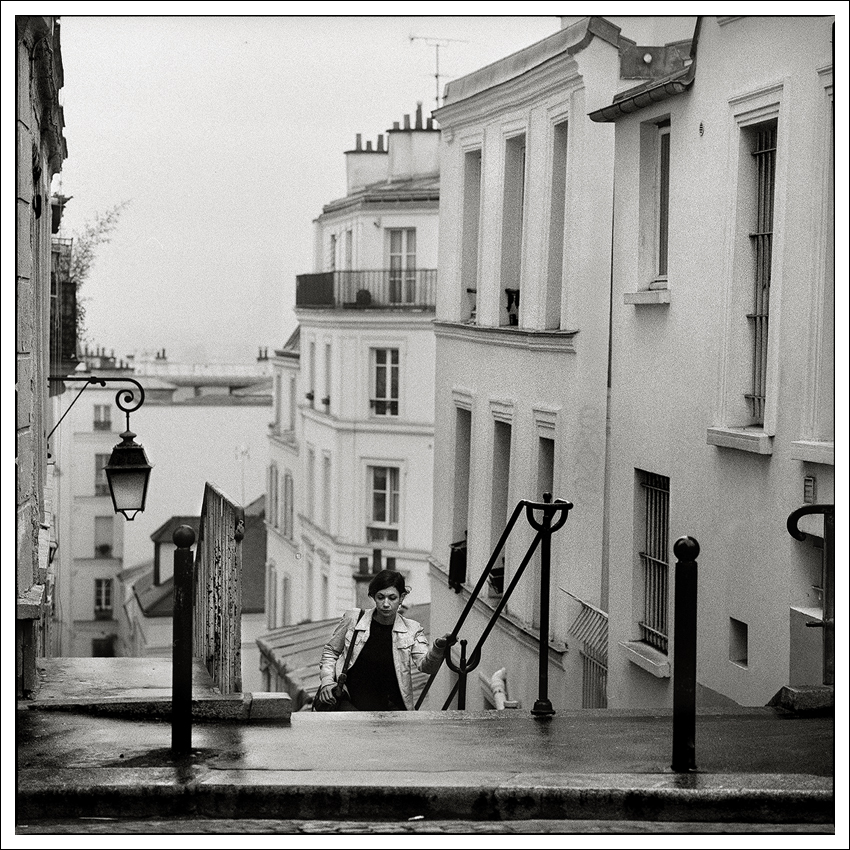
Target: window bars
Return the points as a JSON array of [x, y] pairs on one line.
[[762, 242], [655, 560]]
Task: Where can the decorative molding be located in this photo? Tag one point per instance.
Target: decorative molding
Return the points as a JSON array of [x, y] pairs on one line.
[[546, 419], [502, 410], [755, 106], [462, 397], [744, 439]]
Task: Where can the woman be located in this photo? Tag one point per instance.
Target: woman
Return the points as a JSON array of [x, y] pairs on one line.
[[387, 646]]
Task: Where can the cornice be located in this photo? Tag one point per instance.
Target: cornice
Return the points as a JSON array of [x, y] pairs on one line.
[[509, 336]]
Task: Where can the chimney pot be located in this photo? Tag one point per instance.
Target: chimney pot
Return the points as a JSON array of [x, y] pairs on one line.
[[380, 141], [368, 144], [418, 114], [396, 125], [406, 122], [358, 145]]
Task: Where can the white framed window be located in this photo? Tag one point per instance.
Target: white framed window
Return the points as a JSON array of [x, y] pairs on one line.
[[103, 417], [103, 598], [470, 233], [273, 512], [311, 483], [349, 250], [384, 379], [332, 259], [557, 223], [326, 491], [383, 511], [271, 596], [402, 266]]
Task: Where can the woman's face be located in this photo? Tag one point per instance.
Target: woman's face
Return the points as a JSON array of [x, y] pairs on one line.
[[386, 605]]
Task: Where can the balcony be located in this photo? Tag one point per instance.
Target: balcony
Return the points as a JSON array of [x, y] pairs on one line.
[[382, 289]]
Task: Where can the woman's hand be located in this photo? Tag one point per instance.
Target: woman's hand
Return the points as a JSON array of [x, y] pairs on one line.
[[326, 694], [444, 642]]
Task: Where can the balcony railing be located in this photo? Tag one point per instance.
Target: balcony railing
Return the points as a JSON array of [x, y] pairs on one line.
[[394, 289]]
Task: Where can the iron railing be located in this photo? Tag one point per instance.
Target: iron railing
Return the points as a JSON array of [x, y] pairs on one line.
[[217, 624], [554, 515], [371, 288]]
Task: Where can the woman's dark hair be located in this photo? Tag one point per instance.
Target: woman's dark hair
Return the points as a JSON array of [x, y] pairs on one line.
[[385, 579]]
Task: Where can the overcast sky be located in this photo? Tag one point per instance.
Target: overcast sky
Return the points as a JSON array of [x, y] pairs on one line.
[[226, 137]]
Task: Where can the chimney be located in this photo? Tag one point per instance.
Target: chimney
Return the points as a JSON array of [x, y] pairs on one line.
[[368, 144], [406, 122], [418, 114], [430, 123], [396, 125], [358, 143], [380, 142]]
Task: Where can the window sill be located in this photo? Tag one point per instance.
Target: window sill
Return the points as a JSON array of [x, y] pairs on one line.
[[647, 296], [812, 451], [647, 658], [744, 439], [510, 336]]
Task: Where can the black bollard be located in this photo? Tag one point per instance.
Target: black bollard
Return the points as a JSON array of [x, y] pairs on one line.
[[686, 550], [543, 705], [181, 665]]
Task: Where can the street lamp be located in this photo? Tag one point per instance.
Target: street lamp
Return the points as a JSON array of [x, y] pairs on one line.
[[128, 470], [127, 474]]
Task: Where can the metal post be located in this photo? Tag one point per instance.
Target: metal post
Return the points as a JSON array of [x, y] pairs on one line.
[[686, 550], [461, 694], [181, 665], [829, 597], [543, 706]]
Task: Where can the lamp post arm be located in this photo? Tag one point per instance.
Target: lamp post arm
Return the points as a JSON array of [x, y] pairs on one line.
[[126, 395]]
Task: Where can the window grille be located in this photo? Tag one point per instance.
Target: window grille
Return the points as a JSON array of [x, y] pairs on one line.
[[655, 560], [385, 379], [761, 239], [591, 628]]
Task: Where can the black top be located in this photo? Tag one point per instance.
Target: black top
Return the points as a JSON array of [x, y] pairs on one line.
[[372, 680]]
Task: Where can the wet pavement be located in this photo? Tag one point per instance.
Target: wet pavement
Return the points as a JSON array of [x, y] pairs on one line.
[[757, 766]]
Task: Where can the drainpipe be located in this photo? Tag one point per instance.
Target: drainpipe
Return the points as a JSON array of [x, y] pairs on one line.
[[499, 686]]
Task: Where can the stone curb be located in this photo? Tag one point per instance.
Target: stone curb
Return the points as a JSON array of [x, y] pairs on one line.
[[116, 792], [246, 707]]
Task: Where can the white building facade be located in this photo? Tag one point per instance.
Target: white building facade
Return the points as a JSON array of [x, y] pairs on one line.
[[351, 445], [722, 370]]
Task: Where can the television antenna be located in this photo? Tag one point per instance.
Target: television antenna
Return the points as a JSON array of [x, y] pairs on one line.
[[436, 43]]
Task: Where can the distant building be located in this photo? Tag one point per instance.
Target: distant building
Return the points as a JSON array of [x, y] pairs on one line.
[[215, 437], [43, 307], [145, 593], [350, 448]]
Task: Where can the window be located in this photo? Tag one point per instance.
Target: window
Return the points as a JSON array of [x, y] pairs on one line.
[[103, 647], [103, 536], [311, 585], [471, 233], [292, 402], [557, 222], [662, 199], [738, 642], [463, 443], [513, 203], [311, 483], [384, 376], [326, 399], [384, 504], [278, 402], [288, 506], [311, 395], [349, 250], [500, 481], [271, 596], [103, 598], [653, 516], [102, 417], [101, 485], [326, 491], [402, 266], [763, 140], [332, 263], [273, 495], [545, 484]]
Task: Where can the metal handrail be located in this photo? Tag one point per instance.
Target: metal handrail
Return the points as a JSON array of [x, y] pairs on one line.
[[544, 529]]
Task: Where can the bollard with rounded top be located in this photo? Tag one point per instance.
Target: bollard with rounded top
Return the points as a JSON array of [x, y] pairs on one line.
[[181, 665], [686, 550]]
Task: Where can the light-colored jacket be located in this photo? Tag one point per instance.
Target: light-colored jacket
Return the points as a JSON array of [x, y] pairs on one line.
[[410, 650]]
